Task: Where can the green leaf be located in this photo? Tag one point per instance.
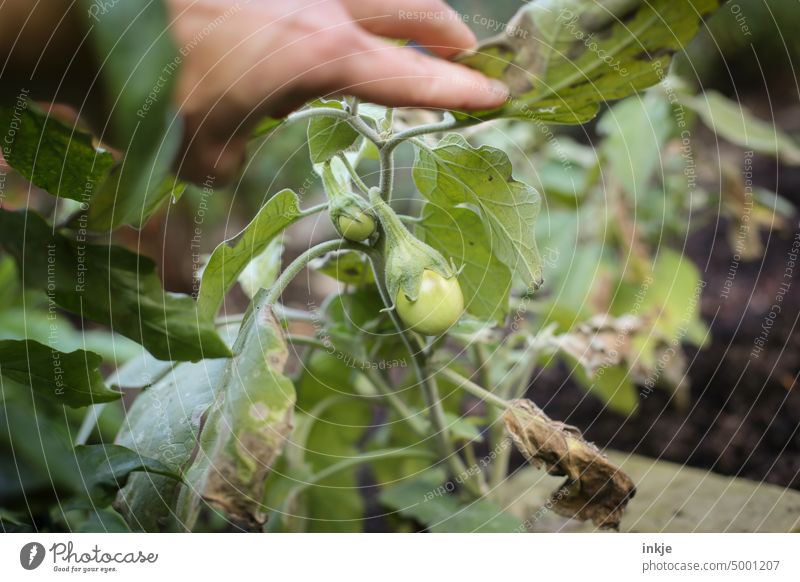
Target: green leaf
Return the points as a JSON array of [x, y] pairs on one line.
[[164, 424], [72, 379], [349, 267], [263, 270], [636, 130], [563, 58], [56, 157], [327, 136], [265, 126], [613, 385], [231, 257], [110, 285], [246, 427], [138, 85], [738, 125], [458, 234], [463, 428], [427, 501], [106, 468], [670, 299], [456, 174], [36, 433]]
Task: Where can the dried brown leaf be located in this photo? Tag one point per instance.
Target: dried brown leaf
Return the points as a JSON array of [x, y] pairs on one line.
[[595, 489]]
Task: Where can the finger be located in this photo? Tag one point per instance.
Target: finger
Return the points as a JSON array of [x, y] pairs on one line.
[[401, 77], [431, 23]]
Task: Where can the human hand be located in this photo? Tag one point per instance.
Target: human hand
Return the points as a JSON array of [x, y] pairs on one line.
[[243, 61]]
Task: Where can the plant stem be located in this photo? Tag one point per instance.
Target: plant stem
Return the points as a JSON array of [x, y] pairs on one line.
[[364, 129], [429, 389], [387, 173], [304, 114], [445, 125], [400, 407], [355, 122], [299, 264], [379, 455], [353, 174], [474, 389], [311, 210]]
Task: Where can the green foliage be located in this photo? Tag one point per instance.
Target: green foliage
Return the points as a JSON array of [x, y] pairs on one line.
[[60, 159], [458, 233], [328, 136], [454, 174], [232, 256], [72, 378], [732, 121], [110, 285], [164, 424], [426, 501], [106, 469], [375, 404], [138, 86], [563, 59], [246, 426]]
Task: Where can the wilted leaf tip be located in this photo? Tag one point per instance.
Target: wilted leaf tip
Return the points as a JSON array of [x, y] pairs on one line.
[[595, 489]]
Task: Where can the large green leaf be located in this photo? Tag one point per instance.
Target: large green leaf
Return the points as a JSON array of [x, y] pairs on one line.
[[563, 58], [70, 378], [458, 234], [738, 125], [231, 257], [139, 65], [164, 424], [635, 132], [427, 501], [246, 427], [327, 136], [110, 285], [56, 157], [106, 468], [457, 174]]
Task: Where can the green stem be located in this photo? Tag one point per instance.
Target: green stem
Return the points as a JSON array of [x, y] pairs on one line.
[[304, 114], [430, 391], [355, 122], [364, 129], [474, 389], [385, 391], [353, 174], [444, 125], [311, 210], [343, 465], [400, 407], [387, 173], [299, 264]]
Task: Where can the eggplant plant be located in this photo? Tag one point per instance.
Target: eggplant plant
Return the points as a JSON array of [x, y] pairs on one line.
[[409, 381]]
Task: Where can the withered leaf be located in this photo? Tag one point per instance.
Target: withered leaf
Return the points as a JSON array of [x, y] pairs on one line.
[[594, 489], [245, 428]]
